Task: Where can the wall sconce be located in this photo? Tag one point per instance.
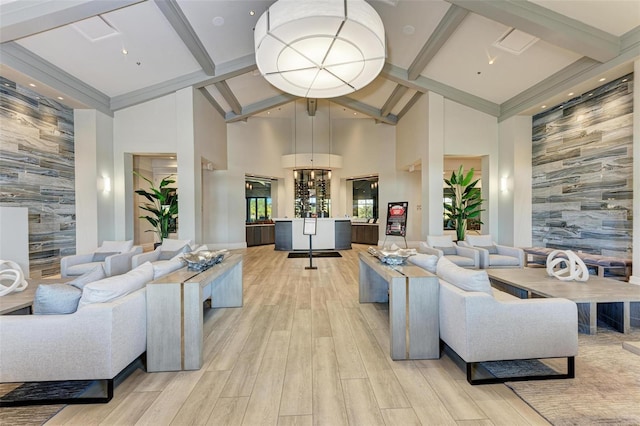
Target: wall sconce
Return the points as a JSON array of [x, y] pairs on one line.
[[248, 186], [504, 184], [104, 184]]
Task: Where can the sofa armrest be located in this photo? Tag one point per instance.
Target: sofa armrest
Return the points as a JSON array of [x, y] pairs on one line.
[[150, 256], [74, 259], [119, 264], [470, 253], [511, 251]]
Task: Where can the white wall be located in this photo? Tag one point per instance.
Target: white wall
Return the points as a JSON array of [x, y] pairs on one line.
[[515, 168], [93, 162]]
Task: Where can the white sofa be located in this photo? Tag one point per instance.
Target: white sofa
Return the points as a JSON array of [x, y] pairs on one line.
[[114, 256], [480, 323], [96, 342]]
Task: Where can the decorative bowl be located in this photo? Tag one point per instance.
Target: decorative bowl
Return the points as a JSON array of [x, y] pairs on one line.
[[203, 259], [392, 257]]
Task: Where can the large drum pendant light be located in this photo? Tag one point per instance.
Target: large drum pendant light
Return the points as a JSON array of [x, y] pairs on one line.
[[320, 48]]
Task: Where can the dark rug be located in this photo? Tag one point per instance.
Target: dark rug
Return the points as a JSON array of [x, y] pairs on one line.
[[300, 255]]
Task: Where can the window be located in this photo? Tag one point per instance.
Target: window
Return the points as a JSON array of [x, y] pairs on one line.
[[365, 208], [365, 198], [258, 209]]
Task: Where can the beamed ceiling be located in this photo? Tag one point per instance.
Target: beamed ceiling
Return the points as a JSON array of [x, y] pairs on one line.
[[501, 57]]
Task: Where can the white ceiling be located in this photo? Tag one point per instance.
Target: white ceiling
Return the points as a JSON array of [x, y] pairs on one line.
[[74, 49]]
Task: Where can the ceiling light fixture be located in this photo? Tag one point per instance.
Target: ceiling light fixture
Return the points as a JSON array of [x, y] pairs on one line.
[[32, 85], [570, 94], [124, 51], [602, 79], [320, 48]]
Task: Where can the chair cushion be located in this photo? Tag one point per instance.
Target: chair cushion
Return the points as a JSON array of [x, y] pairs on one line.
[[480, 240], [117, 286], [82, 268], [95, 274], [502, 260], [461, 260], [172, 245], [55, 299], [447, 251], [115, 246], [440, 240], [101, 256], [425, 261], [465, 279]]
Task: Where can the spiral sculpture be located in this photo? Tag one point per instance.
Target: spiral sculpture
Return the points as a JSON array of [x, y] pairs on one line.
[[574, 268], [11, 272]]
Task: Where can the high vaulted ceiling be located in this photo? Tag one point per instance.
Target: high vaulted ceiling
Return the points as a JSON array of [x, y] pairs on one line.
[[74, 49]]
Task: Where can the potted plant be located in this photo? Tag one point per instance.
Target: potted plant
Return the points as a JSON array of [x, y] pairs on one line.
[[466, 202], [163, 206]]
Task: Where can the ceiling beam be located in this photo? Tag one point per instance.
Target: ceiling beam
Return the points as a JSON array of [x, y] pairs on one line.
[[393, 100], [409, 104], [212, 101], [23, 18], [259, 107], [365, 109], [171, 10], [22, 60], [547, 25], [227, 94], [424, 84], [231, 69], [447, 26]]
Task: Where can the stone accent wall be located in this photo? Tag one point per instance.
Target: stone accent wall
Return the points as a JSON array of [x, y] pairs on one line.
[[583, 172], [37, 171]]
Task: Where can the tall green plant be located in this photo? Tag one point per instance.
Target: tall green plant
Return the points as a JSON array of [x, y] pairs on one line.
[[466, 203], [163, 205]]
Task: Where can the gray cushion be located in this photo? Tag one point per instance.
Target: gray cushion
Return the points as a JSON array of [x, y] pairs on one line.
[[447, 250], [51, 299], [101, 256], [492, 249], [95, 274]]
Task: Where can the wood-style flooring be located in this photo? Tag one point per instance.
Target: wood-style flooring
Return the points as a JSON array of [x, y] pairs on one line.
[[303, 351]]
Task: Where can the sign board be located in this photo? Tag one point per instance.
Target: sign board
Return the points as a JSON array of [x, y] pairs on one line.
[[397, 218], [309, 227]]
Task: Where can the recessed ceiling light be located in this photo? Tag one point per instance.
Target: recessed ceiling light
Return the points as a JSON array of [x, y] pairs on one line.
[[61, 98], [408, 29], [252, 12], [570, 94], [491, 61], [124, 51], [543, 106], [268, 112], [32, 85], [590, 94], [602, 79], [218, 21], [625, 80], [355, 113]]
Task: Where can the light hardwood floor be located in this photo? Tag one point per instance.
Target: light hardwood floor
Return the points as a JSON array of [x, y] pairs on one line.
[[303, 351]]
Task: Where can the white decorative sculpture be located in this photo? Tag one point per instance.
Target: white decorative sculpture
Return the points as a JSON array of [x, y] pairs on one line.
[[574, 269], [11, 272]]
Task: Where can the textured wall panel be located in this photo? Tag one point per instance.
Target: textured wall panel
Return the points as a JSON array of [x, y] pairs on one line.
[[37, 172], [583, 173]]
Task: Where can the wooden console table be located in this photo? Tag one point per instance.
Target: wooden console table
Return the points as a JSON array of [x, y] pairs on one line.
[[412, 294], [175, 312]]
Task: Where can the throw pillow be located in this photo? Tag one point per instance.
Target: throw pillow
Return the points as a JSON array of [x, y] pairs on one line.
[[55, 299], [163, 268], [425, 261], [172, 245], [115, 246], [116, 286], [447, 251], [102, 256], [492, 249], [95, 274], [465, 279]]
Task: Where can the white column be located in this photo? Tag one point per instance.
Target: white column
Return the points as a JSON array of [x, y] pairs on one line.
[[432, 168]]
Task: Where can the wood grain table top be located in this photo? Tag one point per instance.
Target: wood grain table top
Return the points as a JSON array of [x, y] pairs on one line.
[[595, 289]]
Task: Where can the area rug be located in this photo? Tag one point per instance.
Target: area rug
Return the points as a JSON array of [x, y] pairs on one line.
[[300, 255], [606, 389]]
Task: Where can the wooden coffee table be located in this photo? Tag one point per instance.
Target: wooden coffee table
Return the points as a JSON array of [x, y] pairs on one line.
[[614, 302], [16, 302]]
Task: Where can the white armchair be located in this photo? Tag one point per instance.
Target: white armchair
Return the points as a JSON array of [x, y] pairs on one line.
[[114, 256], [494, 255], [442, 245]]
